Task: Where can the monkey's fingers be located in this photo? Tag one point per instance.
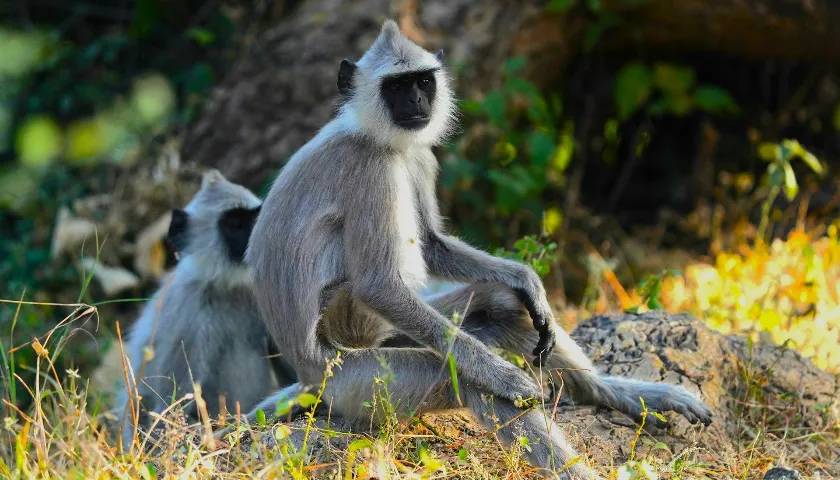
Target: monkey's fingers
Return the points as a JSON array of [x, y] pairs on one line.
[[540, 322], [545, 345]]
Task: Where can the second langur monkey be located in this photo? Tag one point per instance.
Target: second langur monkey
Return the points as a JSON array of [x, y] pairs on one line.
[[202, 326], [351, 229]]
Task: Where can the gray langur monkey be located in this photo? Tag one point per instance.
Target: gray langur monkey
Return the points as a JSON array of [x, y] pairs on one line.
[[351, 229], [203, 325]]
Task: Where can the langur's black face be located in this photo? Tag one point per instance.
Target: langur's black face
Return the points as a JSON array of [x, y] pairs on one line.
[[235, 227], [409, 98]]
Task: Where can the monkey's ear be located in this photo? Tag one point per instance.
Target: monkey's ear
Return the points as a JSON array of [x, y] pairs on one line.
[[176, 237], [439, 55], [345, 76], [210, 177]]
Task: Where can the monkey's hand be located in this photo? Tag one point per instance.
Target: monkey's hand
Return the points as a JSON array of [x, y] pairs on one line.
[[532, 295], [492, 373], [508, 381]]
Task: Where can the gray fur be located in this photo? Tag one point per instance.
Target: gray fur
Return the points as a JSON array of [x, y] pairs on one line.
[[336, 270], [203, 324]]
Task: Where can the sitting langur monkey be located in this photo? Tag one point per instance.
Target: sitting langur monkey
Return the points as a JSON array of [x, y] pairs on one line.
[[351, 229], [203, 325]]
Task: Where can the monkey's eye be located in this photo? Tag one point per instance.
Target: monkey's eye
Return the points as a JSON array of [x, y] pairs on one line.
[[393, 86]]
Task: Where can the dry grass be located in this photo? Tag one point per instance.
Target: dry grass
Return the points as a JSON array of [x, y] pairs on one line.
[[66, 434]]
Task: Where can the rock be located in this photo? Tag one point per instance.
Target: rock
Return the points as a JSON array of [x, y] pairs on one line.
[[70, 232], [113, 280], [782, 473], [742, 384]]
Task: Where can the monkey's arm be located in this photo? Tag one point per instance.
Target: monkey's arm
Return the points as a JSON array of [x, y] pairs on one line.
[[449, 257], [371, 259]]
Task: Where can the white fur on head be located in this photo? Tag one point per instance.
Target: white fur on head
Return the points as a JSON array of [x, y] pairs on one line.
[[218, 194], [392, 54], [205, 256]]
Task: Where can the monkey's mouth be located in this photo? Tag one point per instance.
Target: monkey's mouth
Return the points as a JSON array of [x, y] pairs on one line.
[[414, 122]]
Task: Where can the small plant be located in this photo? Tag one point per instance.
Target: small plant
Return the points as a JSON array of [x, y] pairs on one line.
[[651, 290], [536, 252], [780, 175]]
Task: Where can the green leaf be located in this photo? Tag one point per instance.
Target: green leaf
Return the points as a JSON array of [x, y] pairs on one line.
[[260, 417], [791, 187], [565, 150], [775, 176], [540, 146], [201, 36], [283, 407], [812, 162], [673, 79], [23, 51], [453, 375], [558, 6], [306, 399], [504, 152], [525, 443], [359, 444], [150, 472], [514, 64], [463, 454], [430, 463], [714, 99], [678, 104], [38, 142], [494, 106], [768, 151], [152, 98], [470, 106], [198, 78], [632, 88]]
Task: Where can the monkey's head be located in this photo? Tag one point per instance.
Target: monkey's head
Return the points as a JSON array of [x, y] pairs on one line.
[[211, 233], [398, 93]]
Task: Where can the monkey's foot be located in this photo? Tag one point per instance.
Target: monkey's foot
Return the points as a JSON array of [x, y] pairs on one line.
[[658, 397]]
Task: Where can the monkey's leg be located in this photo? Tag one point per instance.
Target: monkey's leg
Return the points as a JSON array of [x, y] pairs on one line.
[[494, 315], [417, 382]]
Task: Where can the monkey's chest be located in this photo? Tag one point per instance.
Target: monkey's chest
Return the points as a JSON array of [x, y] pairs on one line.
[[409, 248]]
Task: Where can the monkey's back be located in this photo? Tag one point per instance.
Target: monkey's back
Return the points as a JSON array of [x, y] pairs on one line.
[[296, 250], [200, 333]]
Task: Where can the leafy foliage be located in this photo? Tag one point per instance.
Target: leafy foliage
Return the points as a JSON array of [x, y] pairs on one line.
[[530, 250], [667, 89], [515, 168]]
